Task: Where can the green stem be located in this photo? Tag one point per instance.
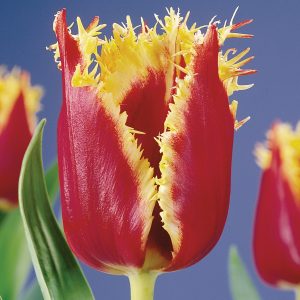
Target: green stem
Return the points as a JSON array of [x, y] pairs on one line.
[[142, 285], [297, 294]]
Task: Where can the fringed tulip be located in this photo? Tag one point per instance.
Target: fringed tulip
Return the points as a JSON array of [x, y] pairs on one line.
[[19, 103], [276, 239], [145, 142]]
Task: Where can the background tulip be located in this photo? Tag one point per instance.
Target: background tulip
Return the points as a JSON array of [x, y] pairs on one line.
[[19, 103], [145, 143], [276, 240]]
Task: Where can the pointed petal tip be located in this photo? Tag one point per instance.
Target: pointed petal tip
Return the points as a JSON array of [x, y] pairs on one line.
[[241, 24], [58, 17]]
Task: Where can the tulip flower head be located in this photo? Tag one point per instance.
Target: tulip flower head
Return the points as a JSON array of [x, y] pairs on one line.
[[145, 140], [276, 239], [19, 103]]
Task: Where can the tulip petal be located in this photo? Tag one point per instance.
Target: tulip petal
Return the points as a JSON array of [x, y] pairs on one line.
[[14, 139], [147, 110], [196, 164], [106, 186], [276, 233]]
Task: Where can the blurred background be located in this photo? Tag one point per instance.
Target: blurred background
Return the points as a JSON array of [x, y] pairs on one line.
[[25, 31]]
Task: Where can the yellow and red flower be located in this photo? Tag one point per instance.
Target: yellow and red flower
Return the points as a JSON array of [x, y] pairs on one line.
[[145, 140], [19, 102], [276, 239]]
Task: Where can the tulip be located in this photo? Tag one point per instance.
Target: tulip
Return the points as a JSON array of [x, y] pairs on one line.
[[276, 240], [145, 139], [19, 103]]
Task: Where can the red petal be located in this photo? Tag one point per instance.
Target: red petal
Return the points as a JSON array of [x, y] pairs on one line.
[[14, 139], [105, 219], [195, 194], [147, 110], [276, 240]]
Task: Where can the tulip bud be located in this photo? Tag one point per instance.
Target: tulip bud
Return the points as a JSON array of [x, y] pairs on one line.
[[276, 240], [145, 141], [19, 103]]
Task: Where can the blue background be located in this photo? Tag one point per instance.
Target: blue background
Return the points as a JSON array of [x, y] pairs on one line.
[[25, 30]]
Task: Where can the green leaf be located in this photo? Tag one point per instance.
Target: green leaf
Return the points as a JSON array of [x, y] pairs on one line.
[[2, 216], [58, 272], [241, 285], [33, 292], [15, 258], [52, 182]]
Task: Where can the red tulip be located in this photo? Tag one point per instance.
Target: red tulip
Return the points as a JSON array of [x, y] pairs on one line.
[[19, 102], [276, 238], [145, 141]]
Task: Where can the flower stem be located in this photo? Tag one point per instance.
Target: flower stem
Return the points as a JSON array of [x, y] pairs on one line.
[[297, 294], [142, 285]]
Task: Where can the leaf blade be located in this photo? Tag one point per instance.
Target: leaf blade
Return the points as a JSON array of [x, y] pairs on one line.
[[58, 272], [33, 292], [241, 285], [52, 182], [15, 259], [15, 262]]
